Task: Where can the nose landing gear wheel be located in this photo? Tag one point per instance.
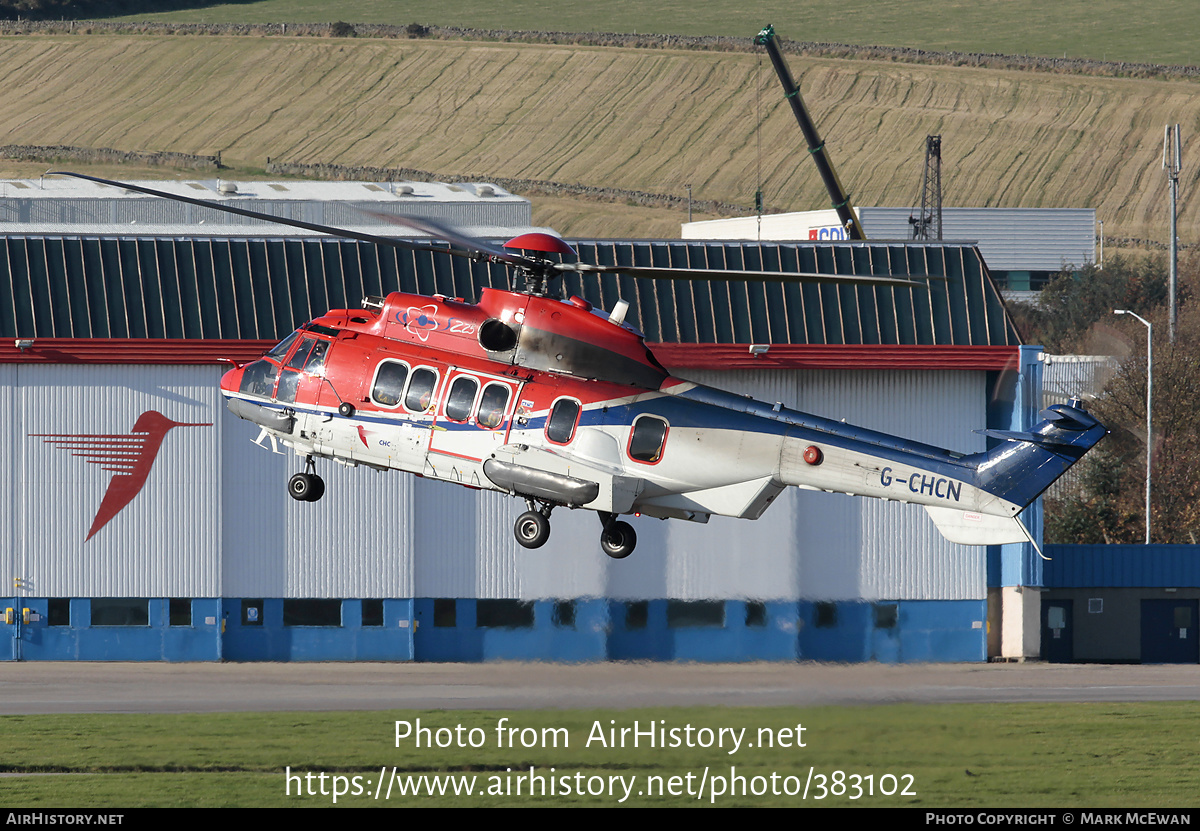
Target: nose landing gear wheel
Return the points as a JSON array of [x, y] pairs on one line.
[[307, 486], [618, 539], [532, 529]]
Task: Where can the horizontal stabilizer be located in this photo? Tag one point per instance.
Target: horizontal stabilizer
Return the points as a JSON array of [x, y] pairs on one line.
[[972, 528], [1016, 435]]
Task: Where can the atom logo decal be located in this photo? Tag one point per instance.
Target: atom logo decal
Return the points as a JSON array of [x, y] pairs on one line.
[[129, 457], [420, 320]]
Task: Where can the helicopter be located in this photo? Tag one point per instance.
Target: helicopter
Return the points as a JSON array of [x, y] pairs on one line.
[[563, 405]]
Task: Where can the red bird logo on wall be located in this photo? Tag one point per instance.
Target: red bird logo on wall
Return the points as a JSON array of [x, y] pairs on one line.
[[129, 457]]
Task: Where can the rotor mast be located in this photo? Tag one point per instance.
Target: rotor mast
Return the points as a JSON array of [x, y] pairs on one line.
[[816, 147]]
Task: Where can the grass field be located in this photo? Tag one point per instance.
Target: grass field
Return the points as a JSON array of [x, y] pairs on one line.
[[999, 756], [634, 119], [1153, 31]]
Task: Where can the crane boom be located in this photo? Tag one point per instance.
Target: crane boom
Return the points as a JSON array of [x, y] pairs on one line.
[[816, 147]]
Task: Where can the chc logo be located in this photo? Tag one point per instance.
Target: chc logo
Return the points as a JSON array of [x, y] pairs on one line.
[[128, 457]]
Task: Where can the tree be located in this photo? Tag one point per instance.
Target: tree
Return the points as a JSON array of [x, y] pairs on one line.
[[1109, 504]]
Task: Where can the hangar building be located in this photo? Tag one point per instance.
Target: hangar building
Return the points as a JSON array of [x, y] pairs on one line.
[[203, 556], [1024, 247]]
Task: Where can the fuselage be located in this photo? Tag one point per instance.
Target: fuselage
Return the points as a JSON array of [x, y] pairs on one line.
[[537, 407]]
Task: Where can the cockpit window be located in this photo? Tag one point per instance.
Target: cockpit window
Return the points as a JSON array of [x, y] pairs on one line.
[[259, 379], [301, 353], [316, 358], [281, 349]]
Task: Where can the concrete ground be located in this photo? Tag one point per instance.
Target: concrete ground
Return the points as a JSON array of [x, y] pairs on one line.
[[72, 687]]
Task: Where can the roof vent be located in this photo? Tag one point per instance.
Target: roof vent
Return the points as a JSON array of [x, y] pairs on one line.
[[227, 188], [485, 190], [404, 190]]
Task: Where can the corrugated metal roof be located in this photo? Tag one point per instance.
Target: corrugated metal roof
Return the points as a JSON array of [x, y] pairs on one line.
[[1121, 566], [249, 289]]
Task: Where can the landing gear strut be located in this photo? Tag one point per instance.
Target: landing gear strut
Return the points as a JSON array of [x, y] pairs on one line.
[[307, 486], [533, 527], [618, 539]]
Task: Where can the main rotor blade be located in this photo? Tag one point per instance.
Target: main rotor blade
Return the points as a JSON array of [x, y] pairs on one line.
[[654, 273], [295, 223], [455, 237]]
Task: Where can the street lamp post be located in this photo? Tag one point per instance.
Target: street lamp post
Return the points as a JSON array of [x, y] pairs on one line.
[[1149, 398]]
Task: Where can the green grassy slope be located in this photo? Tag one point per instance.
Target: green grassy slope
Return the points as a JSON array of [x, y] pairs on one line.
[[1159, 31]]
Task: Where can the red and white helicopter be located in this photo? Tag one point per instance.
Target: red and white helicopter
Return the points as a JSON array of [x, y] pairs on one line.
[[563, 405]]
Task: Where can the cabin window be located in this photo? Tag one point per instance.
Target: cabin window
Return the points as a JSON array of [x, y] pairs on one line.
[[647, 439], [491, 406], [389, 383], [420, 390], [259, 379], [564, 415], [461, 398]]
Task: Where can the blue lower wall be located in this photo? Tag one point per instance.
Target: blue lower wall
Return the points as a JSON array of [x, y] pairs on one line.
[[595, 630]]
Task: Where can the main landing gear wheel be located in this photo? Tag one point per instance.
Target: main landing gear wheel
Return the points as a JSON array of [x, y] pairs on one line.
[[532, 529], [618, 539], [307, 486]]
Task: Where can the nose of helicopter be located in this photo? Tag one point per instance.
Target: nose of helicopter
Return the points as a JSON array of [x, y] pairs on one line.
[[232, 380]]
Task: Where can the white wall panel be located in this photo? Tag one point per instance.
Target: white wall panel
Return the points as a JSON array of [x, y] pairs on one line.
[[165, 542], [849, 547], [214, 517], [357, 541], [12, 527]]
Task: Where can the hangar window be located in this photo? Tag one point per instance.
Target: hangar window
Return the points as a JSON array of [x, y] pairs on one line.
[[180, 611], [886, 615], [461, 398], [445, 612], [564, 415], [58, 612], [637, 614], [564, 614], [756, 613], [492, 405], [311, 611], [683, 614], [826, 615], [505, 614], [647, 438], [372, 612], [420, 390], [120, 611], [389, 383]]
